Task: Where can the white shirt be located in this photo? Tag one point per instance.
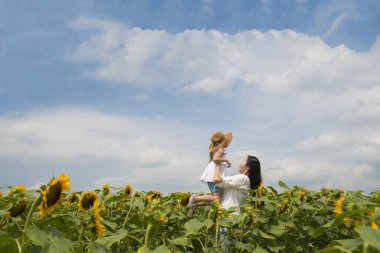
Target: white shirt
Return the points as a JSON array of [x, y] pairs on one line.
[[235, 190], [209, 172]]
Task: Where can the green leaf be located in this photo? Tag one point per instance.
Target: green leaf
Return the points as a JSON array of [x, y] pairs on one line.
[[276, 248], [48, 242], [98, 248], [162, 249], [333, 250], [208, 223], [276, 230], [349, 244], [370, 236], [159, 249], [8, 244], [110, 240], [265, 235], [144, 249], [182, 241], [243, 246], [260, 250], [309, 207], [193, 226], [283, 185]]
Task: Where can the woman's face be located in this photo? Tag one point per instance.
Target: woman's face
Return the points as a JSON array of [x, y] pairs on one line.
[[243, 167]]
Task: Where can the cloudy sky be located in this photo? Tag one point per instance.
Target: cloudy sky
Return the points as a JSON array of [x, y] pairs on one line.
[[130, 91]]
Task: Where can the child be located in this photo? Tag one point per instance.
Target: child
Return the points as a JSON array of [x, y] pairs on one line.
[[218, 161]]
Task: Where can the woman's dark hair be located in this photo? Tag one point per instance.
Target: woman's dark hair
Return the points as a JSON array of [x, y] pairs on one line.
[[254, 173]]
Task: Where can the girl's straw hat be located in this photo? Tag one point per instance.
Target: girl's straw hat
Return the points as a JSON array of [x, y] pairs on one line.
[[220, 140]]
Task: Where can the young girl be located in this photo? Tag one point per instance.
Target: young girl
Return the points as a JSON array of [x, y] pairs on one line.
[[218, 161]]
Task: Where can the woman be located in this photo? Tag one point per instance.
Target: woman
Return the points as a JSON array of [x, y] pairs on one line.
[[235, 188]]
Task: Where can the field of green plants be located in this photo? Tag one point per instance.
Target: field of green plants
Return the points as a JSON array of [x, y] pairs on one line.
[[56, 219]]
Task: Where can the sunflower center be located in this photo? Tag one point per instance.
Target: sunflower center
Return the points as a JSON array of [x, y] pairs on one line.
[[18, 208], [88, 201], [54, 194]]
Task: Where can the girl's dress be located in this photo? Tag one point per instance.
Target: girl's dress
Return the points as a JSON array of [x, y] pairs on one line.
[[209, 172]]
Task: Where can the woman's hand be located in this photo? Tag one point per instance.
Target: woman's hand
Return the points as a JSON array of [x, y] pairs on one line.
[[218, 180], [228, 163]]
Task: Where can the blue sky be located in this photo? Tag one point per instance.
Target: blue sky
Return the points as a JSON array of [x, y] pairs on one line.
[[130, 91]]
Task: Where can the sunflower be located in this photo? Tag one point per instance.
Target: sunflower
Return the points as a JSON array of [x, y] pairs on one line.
[[219, 209], [261, 189], [346, 220], [185, 199], [338, 205], [163, 218], [19, 208], [1, 195], [374, 225], [128, 190], [73, 197], [17, 189], [52, 195], [99, 227], [87, 200], [106, 191], [155, 196], [302, 195]]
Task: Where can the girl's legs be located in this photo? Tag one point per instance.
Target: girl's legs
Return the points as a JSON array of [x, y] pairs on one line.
[[214, 196]]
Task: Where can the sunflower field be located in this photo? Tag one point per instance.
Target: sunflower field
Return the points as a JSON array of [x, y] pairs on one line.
[[56, 219]]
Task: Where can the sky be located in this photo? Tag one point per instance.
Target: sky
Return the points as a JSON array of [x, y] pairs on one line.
[[130, 91]]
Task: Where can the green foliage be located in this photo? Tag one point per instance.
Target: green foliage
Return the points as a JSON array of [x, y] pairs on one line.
[[294, 220]]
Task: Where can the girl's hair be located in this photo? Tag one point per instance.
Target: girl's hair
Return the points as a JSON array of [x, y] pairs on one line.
[[211, 155], [254, 173]]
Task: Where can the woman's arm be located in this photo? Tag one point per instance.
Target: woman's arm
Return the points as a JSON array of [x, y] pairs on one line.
[[236, 182]]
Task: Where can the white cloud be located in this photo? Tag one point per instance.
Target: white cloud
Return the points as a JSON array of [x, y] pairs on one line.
[[368, 152], [317, 174], [209, 60], [161, 156], [325, 140], [335, 24], [164, 154]]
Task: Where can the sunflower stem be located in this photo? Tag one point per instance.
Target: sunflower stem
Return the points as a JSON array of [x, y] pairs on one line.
[[28, 219], [149, 228], [129, 211], [216, 234], [80, 246]]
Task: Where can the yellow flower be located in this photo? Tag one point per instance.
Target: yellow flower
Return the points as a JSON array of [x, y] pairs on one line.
[[261, 189], [87, 200], [73, 197], [19, 208], [219, 209], [374, 225], [98, 220], [163, 218], [1, 195], [338, 205], [185, 199], [52, 196], [346, 220], [153, 197], [106, 191], [17, 189], [302, 195], [358, 223], [128, 190]]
